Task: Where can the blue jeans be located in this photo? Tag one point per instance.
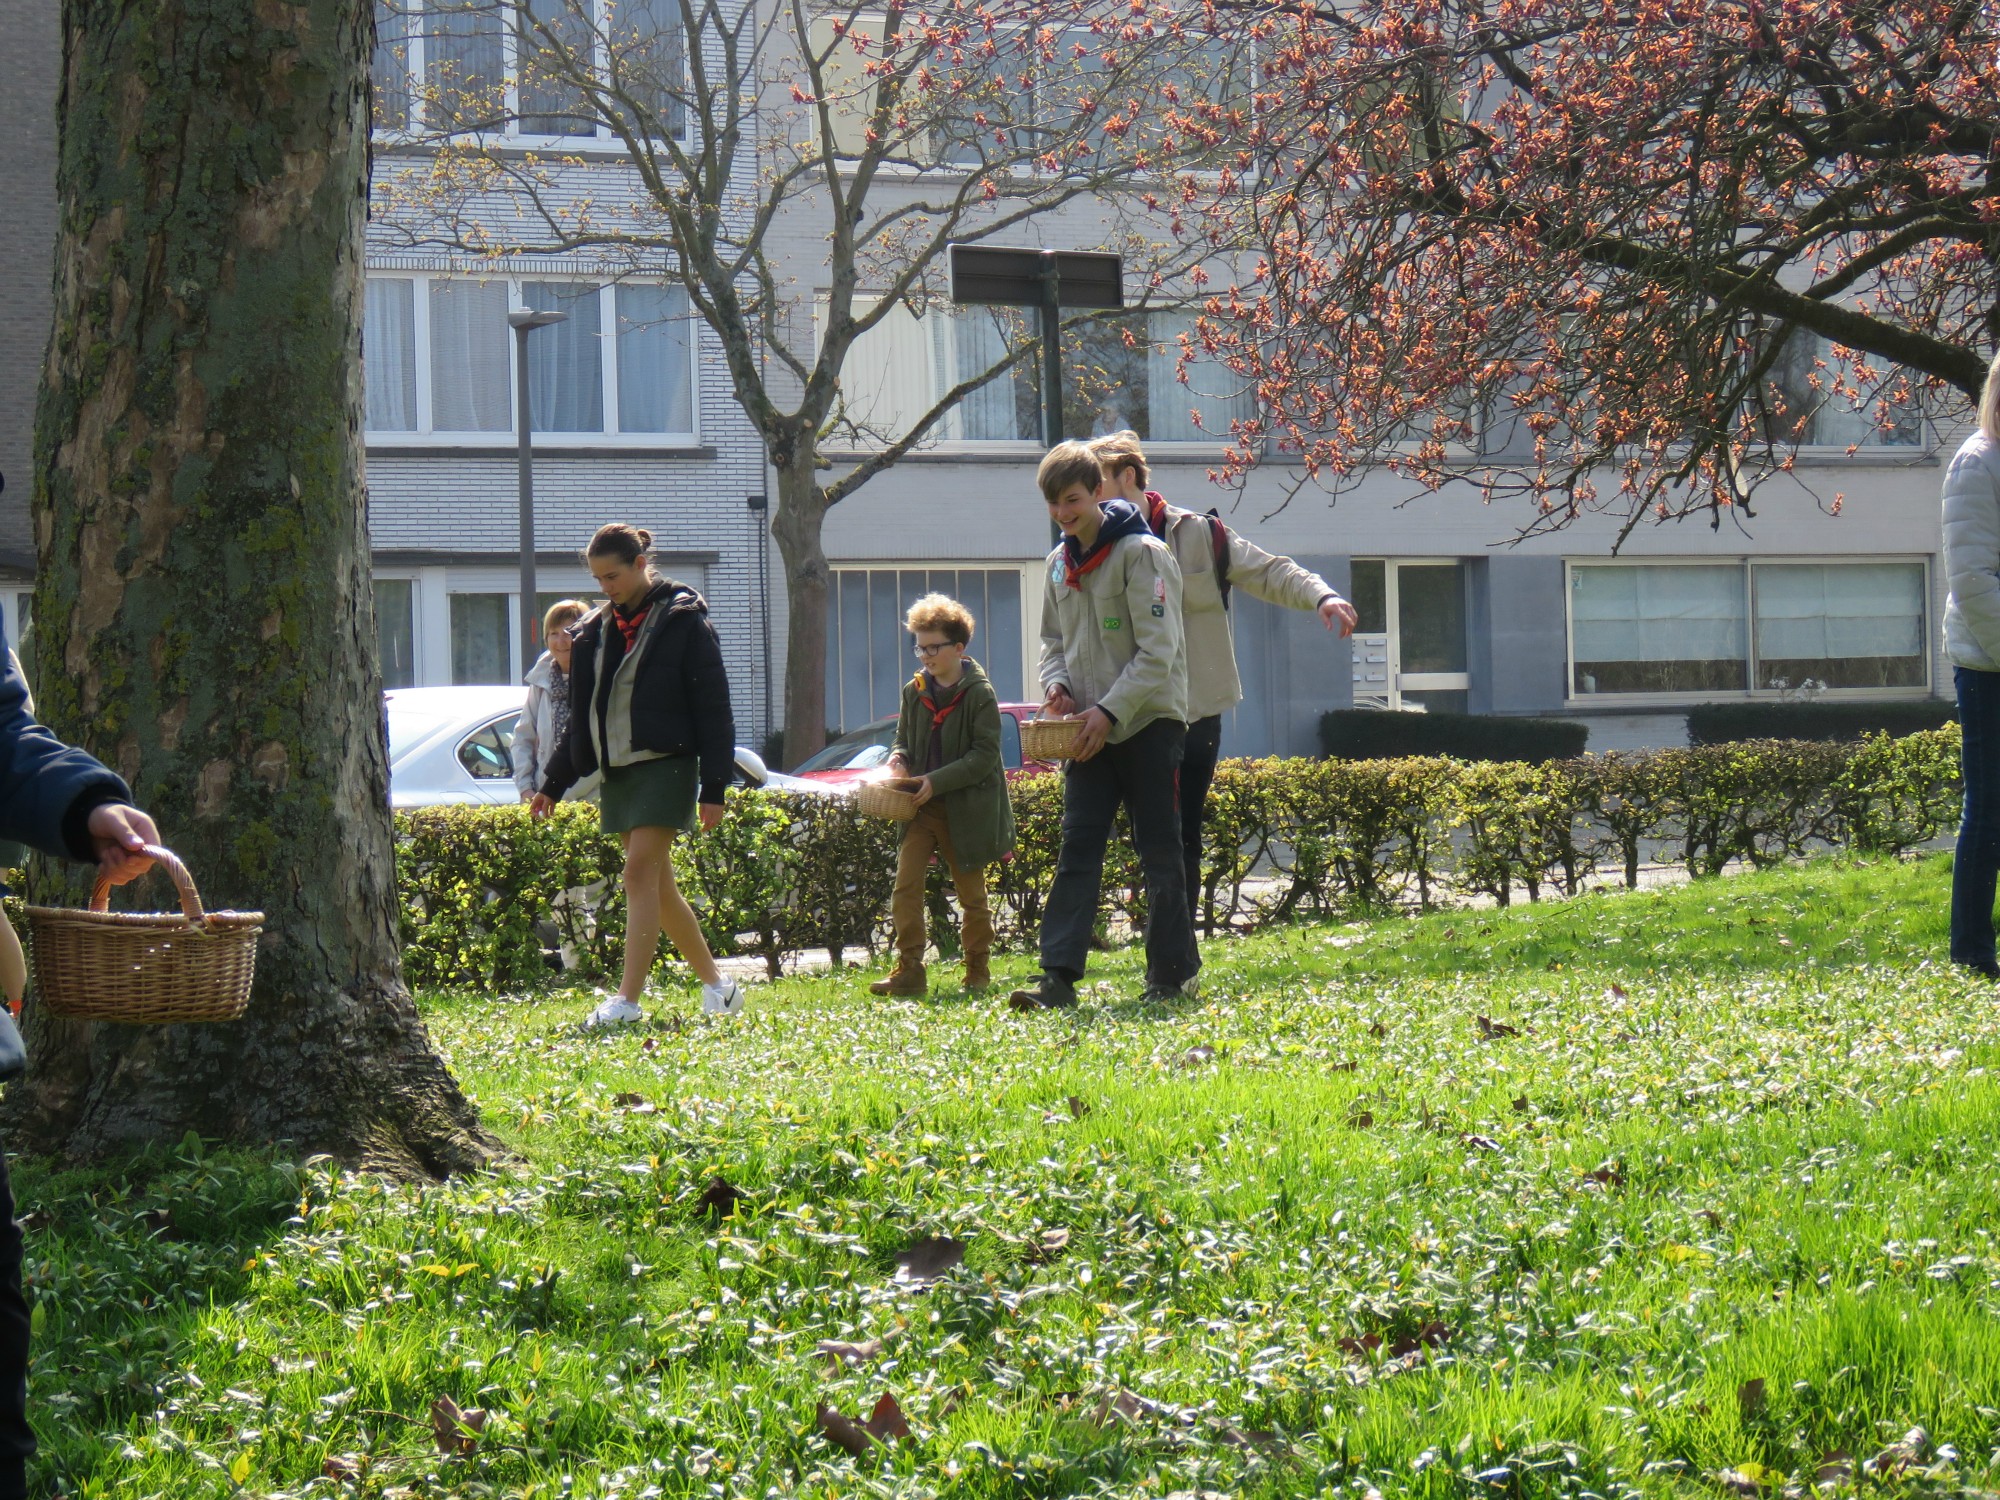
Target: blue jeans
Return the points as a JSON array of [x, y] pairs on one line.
[[1142, 775], [1977, 866]]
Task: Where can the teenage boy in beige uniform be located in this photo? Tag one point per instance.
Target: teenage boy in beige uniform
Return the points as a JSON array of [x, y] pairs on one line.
[[1112, 651], [1213, 686]]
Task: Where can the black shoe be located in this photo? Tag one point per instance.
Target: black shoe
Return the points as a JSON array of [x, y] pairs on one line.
[[1157, 993], [1987, 970], [1049, 992]]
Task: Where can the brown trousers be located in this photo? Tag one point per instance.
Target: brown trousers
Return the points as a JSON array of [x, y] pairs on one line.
[[928, 834]]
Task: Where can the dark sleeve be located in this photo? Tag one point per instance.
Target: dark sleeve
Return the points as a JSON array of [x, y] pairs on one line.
[[47, 789], [906, 733], [559, 775], [714, 719]]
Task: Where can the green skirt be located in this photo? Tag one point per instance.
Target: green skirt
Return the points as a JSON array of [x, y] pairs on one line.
[[650, 794]]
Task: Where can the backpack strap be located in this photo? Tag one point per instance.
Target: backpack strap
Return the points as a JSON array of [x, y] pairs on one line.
[[1218, 535]]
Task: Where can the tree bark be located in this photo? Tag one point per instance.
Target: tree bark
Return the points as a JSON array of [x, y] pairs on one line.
[[204, 617], [797, 524]]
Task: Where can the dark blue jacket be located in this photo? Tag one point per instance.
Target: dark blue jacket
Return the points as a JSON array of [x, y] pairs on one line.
[[48, 790]]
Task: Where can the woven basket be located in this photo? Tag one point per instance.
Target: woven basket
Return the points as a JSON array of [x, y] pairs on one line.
[[894, 798], [1050, 739], [161, 969]]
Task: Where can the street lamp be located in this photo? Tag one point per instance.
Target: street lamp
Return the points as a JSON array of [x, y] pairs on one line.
[[525, 321]]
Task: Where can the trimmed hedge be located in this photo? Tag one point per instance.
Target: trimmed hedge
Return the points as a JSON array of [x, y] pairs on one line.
[[1382, 734], [487, 892], [1726, 723]]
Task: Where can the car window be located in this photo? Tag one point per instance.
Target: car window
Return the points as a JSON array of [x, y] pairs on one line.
[[1010, 742], [859, 751], [488, 752]]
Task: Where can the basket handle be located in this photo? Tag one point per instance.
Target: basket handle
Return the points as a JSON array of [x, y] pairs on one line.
[[100, 895]]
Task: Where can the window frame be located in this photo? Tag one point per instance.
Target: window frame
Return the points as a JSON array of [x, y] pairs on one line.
[[415, 129], [1747, 564], [1920, 450], [426, 436]]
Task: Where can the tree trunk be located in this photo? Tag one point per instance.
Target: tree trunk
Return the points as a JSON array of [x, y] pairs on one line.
[[800, 518], [204, 618]]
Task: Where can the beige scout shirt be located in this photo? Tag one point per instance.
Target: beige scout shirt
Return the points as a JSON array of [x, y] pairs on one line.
[[1213, 686], [1116, 643]]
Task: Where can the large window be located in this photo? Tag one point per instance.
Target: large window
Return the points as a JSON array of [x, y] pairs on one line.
[[1808, 410], [481, 639], [396, 631], [1731, 627], [509, 67], [1122, 372], [438, 358], [869, 653]]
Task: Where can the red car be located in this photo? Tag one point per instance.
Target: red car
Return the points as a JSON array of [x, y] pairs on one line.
[[860, 754]]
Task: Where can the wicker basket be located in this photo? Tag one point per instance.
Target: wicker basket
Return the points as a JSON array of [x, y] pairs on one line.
[[1050, 739], [894, 798], [101, 965]]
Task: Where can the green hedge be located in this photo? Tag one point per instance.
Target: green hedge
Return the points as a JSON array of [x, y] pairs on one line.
[[1725, 723], [1379, 734], [483, 888]]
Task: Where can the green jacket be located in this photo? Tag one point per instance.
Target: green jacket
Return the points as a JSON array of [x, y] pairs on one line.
[[971, 785]]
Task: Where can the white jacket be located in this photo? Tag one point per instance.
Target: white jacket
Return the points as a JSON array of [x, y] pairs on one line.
[[1972, 555], [1213, 684], [535, 736]]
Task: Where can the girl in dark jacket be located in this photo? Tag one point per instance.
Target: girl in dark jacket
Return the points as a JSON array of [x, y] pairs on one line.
[[649, 709]]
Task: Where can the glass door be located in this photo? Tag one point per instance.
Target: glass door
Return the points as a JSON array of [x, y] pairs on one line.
[[1409, 637]]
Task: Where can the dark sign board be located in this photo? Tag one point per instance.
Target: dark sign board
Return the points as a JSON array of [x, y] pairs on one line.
[[989, 275]]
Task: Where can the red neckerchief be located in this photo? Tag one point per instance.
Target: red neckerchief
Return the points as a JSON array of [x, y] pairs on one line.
[[630, 628], [1075, 570], [938, 715], [1156, 514]]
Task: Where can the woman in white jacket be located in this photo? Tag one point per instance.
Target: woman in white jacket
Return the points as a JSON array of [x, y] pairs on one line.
[[1972, 641], [544, 717]]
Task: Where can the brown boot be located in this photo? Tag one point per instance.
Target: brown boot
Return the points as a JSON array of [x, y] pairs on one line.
[[978, 972], [905, 979]]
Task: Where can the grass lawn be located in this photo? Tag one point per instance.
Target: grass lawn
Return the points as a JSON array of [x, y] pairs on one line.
[[1704, 1205]]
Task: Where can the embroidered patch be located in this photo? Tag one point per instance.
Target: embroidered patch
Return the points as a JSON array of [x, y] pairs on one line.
[[1056, 569], [1112, 622], [1160, 591], [1159, 611]]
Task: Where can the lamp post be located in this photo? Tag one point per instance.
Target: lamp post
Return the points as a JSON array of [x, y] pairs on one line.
[[525, 321]]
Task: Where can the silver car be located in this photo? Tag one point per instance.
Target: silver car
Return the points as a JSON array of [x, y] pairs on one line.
[[456, 744]]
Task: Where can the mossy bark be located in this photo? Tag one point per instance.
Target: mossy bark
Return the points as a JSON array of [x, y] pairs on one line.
[[204, 620]]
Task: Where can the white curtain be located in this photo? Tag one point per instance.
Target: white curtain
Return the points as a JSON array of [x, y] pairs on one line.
[[566, 360], [465, 65], [389, 354], [469, 365], [1837, 611], [973, 340], [1211, 388], [655, 359], [1665, 613]]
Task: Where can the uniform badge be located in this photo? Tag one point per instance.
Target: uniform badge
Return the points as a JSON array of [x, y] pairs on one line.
[[1112, 622], [1159, 611], [1160, 591]]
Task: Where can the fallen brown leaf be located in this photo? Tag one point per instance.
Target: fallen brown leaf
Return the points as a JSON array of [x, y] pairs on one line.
[[1125, 1406], [1360, 1121], [343, 1466], [1480, 1142], [720, 1199], [1360, 1345], [1376, 1028], [637, 1104], [456, 1430], [1836, 1469], [1490, 1028], [1750, 1399], [1077, 1108], [1428, 1336], [1736, 1482], [1611, 1174], [839, 1354], [1255, 1440], [1617, 991], [1521, 1105], [1051, 1244], [1194, 1057], [928, 1261]]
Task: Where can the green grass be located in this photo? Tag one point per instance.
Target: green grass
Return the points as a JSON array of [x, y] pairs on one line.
[[1744, 1131]]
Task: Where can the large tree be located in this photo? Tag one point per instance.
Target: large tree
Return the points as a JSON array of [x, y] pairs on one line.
[[203, 615], [1610, 254], [802, 169]]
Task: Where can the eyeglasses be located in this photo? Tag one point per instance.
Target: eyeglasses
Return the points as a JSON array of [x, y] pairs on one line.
[[927, 652]]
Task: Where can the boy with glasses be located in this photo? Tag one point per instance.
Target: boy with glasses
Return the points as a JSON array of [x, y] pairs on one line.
[[949, 737]]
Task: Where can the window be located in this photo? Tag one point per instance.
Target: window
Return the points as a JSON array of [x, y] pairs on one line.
[[1739, 626], [480, 639], [507, 67], [868, 652], [1843, 625], [396, 631], [438, 359], [1805, 408], [488, 753], [1119, 372]]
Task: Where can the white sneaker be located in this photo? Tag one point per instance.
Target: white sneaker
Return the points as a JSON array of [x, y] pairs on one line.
[[724, 999], [615, 1011]]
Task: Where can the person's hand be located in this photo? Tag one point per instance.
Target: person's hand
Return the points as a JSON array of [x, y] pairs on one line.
[[1058, 704], [897, 766], [120, 831], [921, 792], [1090, 739], [1334, 608], [528, 797], [710, 814], [540, 805]]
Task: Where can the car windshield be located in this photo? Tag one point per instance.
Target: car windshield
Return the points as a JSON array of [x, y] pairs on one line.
[[862, 750], [407, 729]]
